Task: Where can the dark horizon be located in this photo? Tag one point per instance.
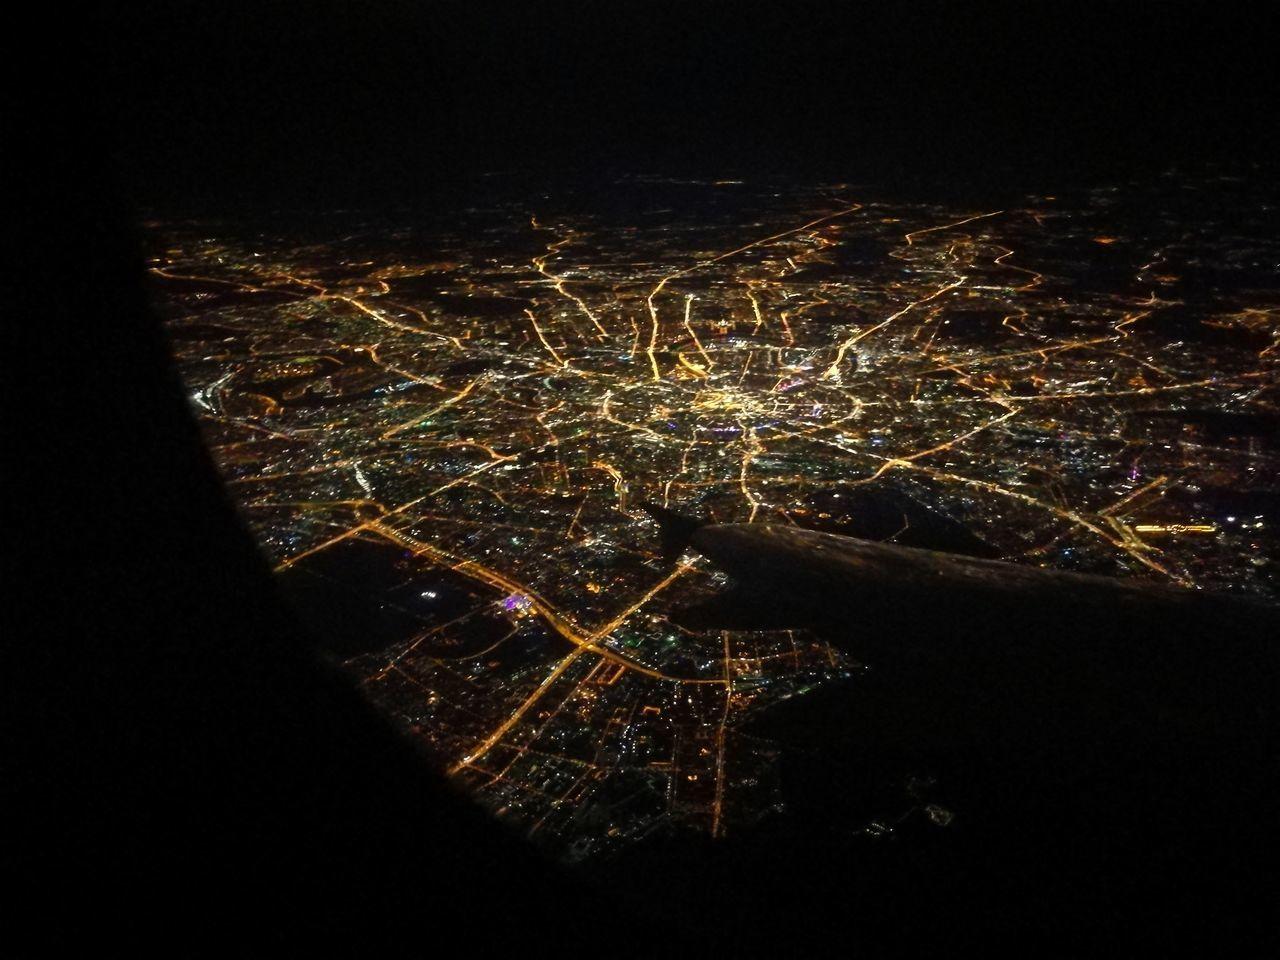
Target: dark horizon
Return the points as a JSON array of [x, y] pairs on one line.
[[388, 103]]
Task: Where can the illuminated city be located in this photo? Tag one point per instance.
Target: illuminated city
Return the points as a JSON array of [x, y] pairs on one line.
[[440, 434]]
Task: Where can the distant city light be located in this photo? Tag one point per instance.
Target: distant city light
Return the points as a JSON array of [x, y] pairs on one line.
[[482, 403]]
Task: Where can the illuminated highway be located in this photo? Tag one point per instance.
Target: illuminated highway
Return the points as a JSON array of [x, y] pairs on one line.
[[444, 431]]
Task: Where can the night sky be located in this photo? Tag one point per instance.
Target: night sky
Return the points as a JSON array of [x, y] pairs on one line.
[[308, 104]]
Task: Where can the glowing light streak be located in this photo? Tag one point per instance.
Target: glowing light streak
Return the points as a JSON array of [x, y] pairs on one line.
[[1134, 495], [550, 349], [459, 396], [911, 237], [688, 305], [833, 370], [753, 449], [619, 483], [755, 307], [362, 480], [540, 264]]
